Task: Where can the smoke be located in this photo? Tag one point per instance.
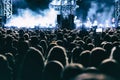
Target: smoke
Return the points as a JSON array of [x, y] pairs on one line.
[[26, 17], [30, 13], [93, 8], [19, 4], [101, 12], [92, 11]]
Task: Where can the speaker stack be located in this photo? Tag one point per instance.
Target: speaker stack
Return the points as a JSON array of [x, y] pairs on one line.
[[2, 21], [59, 18], [67, 22], [71, 21]]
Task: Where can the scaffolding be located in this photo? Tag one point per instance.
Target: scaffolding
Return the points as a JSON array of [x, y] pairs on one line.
[[5, 11], [66, 9], [7, 8], [1, 8], [117, 13]]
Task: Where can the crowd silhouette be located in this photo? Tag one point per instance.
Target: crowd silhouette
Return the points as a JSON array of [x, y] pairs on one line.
[[60, 54]]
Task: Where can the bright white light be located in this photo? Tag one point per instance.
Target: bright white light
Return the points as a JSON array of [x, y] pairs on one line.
[[100, 25], [113, 25], [95, 23], [99, 30], [113, 20], [88, 24], [119, 24], [77, 22], [72, 2], [107, 23], [30, 19], [56, 2]]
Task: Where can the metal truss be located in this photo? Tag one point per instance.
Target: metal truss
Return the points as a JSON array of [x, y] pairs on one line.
[[7, 8], [1, 8], [117, 13], [65, 7]]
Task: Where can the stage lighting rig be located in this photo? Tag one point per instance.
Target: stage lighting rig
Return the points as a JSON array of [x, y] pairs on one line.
[[65, 7]]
